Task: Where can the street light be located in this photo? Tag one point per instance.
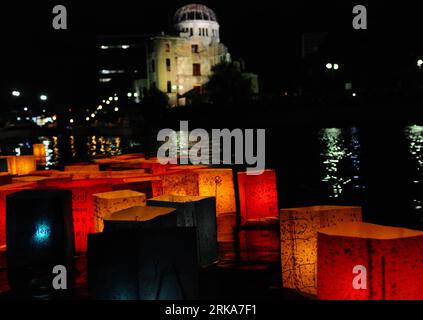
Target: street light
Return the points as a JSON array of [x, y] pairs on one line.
[[420, 63], [335, 66], [71, 121], [328, 65], [116, 109], [43, 97], [16, 93]]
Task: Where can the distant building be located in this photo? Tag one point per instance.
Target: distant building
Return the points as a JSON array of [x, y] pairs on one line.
[[176, 64]]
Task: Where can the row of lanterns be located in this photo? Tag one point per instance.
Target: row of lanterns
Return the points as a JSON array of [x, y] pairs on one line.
[[148, 229]]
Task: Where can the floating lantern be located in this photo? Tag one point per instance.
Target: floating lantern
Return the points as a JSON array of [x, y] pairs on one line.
[[39, 235], [82, 205], [199, 212], [4, 191], [203, 182], [39, 152], [148, 264], [258, 195], [298, 233], [83, 168], [20, 165], [109, 202], [361, 261]]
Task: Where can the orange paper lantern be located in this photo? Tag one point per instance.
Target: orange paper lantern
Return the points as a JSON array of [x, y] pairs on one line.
[[203, 182], [258, 195], [361, 261], [299, 228]]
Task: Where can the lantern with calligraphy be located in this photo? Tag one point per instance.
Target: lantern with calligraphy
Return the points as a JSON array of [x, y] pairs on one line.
[[147, 264], [258, 195], [39, 236], [82, 205], [298, 234], [199, 212], [109, 202], [203, 182], [361, 261], [39, 152]]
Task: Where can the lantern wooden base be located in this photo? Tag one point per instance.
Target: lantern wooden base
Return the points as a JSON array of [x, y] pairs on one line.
[[148, 264], [39, 235], [299, 228], [199, 212], [393, 258]]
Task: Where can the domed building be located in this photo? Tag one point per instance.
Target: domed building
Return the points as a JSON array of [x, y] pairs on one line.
[[181, 63], [178, 63]]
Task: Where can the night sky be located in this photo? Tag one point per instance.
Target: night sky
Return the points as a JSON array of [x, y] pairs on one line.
[[266, 34]]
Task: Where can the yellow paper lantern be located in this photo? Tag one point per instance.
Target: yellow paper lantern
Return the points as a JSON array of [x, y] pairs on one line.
[[21, 165], [39, 152], [299, 227], [109, 202], [203, 182]]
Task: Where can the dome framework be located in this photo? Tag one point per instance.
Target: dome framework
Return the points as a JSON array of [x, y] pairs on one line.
[[194, 12]]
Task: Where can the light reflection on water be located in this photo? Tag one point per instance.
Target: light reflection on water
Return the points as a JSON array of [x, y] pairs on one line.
[[414, 135], [340, 156]]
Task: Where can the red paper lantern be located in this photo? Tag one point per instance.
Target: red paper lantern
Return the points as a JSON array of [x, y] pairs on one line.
[[82, 205], [258, 195], [361, 261]]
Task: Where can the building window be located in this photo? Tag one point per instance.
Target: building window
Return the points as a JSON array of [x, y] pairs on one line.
[[153, 66], [194, 48], [191, 32], [167, 47], [207, 32], [197, 89], [196, 69], [169, 87], [168, 64]]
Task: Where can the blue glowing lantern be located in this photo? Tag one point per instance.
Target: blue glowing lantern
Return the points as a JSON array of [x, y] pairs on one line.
[[39, 235], [143, 264]]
